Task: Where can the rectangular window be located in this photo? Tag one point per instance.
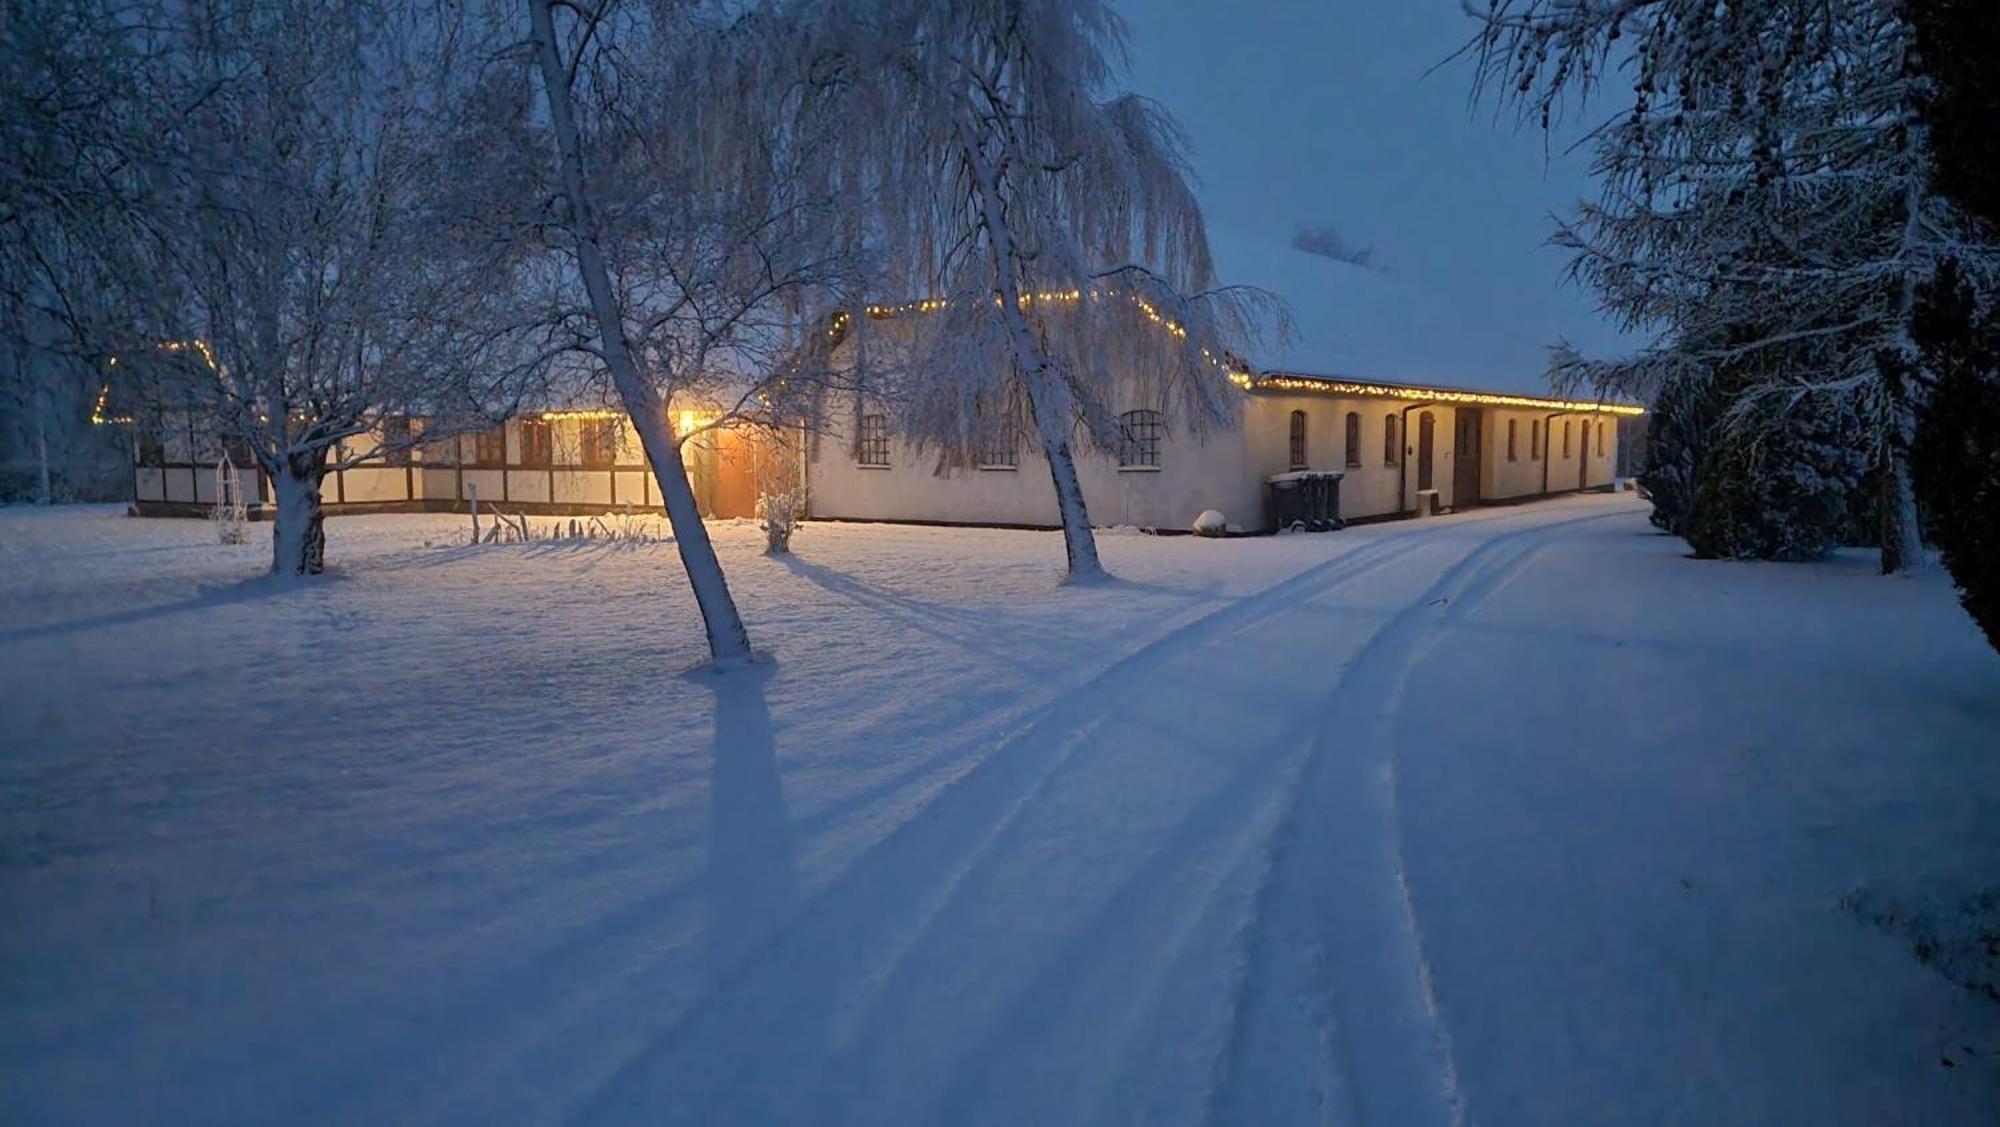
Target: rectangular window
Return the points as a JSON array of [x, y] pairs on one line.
[[1535, 440], [1392, 448], [597, 443], [1353, 440], [1000, 451], [537, 445], [1512, 452], [396, 439], [1139, 439], [152, 449], [871, 446], [489, 448], [1299, 440]]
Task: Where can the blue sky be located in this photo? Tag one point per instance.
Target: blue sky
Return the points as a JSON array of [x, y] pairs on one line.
[[1321, 114]]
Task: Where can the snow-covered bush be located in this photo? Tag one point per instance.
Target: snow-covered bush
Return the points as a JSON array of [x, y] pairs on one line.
[[1676, 437], [779, 507], [1210, 523]]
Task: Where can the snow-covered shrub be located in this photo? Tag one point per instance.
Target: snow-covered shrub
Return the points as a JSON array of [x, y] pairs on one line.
[[779, 506], [1783, 488], [1210, 523], [1676, 437], [1957, 455]]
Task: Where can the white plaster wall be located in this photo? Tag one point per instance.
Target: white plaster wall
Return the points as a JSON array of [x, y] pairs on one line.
[[526, 485], [437, 483], [1367, 490], [1228, 472], [582, 487], [1193, 475], [487, 483]]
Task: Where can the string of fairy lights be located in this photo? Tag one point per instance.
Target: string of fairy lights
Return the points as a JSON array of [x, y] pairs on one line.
[[1241, 377]]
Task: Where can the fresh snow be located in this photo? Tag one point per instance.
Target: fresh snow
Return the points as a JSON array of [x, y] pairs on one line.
[[1518, 816]]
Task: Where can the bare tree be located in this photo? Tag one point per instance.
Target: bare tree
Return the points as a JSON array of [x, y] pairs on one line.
[[691, 204], [268, 219]]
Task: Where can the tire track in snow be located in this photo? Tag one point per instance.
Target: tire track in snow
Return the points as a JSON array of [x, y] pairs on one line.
[[1336, 1017], [621, 938], [783, 1008]]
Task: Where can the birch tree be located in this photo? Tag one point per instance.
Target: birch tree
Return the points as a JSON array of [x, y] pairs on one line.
[[690, 202], [1047, 224], [1772, 175]]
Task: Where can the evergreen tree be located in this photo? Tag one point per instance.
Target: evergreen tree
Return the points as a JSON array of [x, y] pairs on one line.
[[1958, 436], [1774, 165]]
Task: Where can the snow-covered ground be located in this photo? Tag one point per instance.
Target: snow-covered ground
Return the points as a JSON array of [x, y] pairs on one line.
[[1513, 817]]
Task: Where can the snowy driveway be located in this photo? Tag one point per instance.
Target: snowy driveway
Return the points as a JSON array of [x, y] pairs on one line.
[[1515, 817]]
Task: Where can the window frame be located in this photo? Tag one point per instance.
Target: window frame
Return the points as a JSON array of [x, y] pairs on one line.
[[1297, 437], [1000, 445], [1513, 440], [1392, 443], [1139, 433], [597, 443], [1601, 424], [871, 441], [399, 436], [489, 448], [1534, 440], [537, 452], [1352, 429], [1567, 446]]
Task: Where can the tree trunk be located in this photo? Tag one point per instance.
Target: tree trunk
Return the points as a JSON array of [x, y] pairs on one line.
[[1079, 543], [1046, 401], [298, 534], [1902, 548], [728, 641], [48, 493]]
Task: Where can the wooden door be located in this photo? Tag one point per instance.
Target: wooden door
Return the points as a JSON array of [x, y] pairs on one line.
[[1465, 459], [1426, 447], [1583, 459]]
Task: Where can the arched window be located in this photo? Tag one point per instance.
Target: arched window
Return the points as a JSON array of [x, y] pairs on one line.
[[871, 445], [1353, 439], [1299, 440], [1512, 452], [1566, 440], [1392, 449], [1601, 424], [1534, 440], [1139, 439]]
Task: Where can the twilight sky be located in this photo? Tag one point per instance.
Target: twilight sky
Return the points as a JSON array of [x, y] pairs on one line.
[[1319, 113]]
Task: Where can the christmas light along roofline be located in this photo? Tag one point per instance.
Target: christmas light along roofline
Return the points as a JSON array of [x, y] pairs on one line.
[[1297, 381], [1419, 393]]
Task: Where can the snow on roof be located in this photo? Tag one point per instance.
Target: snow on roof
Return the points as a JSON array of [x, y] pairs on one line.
[[1373, 332]]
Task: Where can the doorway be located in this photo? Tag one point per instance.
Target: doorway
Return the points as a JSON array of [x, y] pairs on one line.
[[1426, 447], [1583, 458], [1465, 458]]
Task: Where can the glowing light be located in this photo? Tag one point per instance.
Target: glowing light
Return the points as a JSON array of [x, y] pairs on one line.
[[192, 344], [98, 417], [691, 421], [581, 413], [1330, 386]]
